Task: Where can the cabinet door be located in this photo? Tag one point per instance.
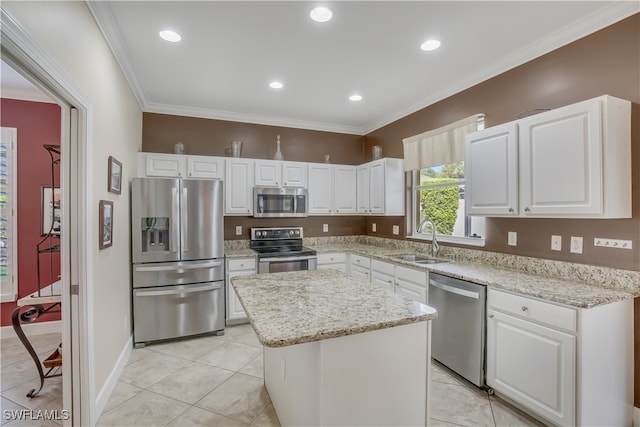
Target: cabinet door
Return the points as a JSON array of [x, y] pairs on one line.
[[268, 173], [294, 174], [205, 167], [362, 192], [239, 187], [320, 189], [344, 193], [532, 365], [376, 187], [411, 290], [235, 312], [561, 161], [360, 272], [383, 280], [491, 171], [167, 165]]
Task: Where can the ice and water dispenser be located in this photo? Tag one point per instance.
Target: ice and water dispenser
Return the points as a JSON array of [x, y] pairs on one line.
[[155, 234]]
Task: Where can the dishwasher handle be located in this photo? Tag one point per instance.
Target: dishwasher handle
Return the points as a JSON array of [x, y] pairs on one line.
[[454, 289]]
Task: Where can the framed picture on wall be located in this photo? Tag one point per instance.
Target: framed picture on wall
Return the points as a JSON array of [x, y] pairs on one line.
[[114, 177], [51, 212], [105, 224]]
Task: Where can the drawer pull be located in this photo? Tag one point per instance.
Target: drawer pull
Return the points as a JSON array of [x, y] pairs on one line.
[[491, 316], [524, 308]]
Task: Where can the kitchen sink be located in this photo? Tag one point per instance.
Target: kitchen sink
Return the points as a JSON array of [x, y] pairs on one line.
[[418, 259]]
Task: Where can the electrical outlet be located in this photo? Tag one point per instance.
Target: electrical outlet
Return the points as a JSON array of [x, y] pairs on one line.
[[238, 230], [325, 228], [576, 245], [396, 229], [512, 239], [373, 227], [612, 243], [556, 243]]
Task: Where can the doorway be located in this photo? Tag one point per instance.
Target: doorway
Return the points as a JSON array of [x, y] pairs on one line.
[[21, 53]]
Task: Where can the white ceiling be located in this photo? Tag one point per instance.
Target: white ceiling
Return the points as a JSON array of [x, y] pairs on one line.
[[231, 50], [14, 86]]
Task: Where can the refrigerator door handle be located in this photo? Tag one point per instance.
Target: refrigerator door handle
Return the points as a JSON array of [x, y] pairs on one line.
[[184, 221], [174, 220], [178, 292], [180, 269]]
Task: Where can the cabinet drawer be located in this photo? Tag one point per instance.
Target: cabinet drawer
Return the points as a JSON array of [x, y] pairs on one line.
[[360, 260], [383, 267], [414, 276], [538, 311], [331, 258], [241, 264]]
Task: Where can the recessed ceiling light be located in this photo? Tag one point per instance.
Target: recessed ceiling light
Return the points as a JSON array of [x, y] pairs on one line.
[[321, 14], [170, 36], [276, 85], [430, 45], [355, 98]]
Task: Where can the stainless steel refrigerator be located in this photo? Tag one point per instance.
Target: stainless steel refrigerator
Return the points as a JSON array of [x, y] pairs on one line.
[[178, 258]]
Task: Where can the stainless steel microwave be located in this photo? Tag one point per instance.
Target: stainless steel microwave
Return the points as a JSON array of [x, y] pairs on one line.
[[280, 202]]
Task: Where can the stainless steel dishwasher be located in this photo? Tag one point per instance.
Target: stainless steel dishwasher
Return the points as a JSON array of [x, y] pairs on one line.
[[458, 334]]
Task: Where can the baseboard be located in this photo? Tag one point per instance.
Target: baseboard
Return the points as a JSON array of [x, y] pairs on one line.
[[112, 380], [636, 416], [37, 328]]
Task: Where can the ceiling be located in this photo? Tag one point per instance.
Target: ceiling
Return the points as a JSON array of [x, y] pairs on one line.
[[13, 85], [230, 51]]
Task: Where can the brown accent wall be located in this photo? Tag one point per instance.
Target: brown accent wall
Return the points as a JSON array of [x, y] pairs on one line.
[[338, 225], [211, 137]]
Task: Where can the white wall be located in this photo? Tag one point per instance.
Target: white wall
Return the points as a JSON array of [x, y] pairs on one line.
[[68, 33]]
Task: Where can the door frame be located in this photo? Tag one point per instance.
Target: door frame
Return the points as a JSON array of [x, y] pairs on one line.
[[26, 56]]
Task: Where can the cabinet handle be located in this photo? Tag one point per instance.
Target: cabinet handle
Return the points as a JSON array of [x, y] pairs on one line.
[[337, 210], [331, 258], [527, 210], [511, 210], [390, 282], [524, 308], [491, 316]]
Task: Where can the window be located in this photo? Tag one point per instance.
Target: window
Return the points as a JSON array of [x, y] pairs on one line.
[[8, 224], [438, 194]]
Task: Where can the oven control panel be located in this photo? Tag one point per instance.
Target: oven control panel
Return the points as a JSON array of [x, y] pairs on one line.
[[276, 233]]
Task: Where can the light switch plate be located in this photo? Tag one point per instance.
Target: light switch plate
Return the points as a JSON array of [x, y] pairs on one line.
[[512, 239], [556, 243], [396, 229], [238, 230], [325, 228], [576, 245]]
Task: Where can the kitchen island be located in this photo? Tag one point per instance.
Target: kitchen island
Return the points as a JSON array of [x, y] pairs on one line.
[[339, 351]]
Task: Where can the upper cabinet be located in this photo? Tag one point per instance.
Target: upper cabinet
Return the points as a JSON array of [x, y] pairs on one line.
[[238, 185], [332, 189], [380, 187], [572, 162], [275, 173], [180, 166]]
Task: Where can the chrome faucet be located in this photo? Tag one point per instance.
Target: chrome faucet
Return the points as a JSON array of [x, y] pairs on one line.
[[435, 247]]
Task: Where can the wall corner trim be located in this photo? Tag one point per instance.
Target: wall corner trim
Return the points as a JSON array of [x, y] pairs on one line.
[[105, 392]]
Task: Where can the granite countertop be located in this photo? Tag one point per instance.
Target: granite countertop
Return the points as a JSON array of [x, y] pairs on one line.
[[239, 253], [305, 306], [562, 291]]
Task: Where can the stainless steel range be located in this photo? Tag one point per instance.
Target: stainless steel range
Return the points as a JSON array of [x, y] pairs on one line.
[[280, 249]]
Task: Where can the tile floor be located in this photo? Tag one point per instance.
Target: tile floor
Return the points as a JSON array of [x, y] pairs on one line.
[[214, 381]]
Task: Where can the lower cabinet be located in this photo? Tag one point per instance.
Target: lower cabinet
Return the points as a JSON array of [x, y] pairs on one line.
[[360, 267], [569, 366], [408, 282], [334, 261], [237, 267]]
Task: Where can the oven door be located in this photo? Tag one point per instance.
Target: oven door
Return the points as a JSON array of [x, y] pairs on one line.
[[283, 264]]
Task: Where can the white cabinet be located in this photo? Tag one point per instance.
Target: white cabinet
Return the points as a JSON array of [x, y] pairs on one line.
[[275, 173], [408, 282], [332, 189], [334, 261], [180, 166], [237, 267], [360, 267], [344, 191], [380, 187], [560, 362], [571, 162], [238, 186]]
